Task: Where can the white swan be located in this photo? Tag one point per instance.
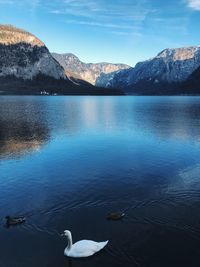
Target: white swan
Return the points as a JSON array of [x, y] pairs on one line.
[[83, 248]]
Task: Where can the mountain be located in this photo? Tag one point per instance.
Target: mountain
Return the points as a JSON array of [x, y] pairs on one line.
[[193, 82], [87, 71], [27, 67], [116, 79], [164, 74]]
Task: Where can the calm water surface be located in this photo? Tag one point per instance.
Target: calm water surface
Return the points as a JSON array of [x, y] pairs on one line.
[[67, 161]]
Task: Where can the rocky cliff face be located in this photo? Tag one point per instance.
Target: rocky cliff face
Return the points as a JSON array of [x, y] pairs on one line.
[[27, 67], [170, 67], [24, 56], [87, 71], [116, 79]]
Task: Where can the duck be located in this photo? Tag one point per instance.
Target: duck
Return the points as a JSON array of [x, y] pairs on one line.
[[82, 248], [14, 220], [115, 216]]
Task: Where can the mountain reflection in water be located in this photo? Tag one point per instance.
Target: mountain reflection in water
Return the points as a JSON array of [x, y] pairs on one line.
[[23, 131]]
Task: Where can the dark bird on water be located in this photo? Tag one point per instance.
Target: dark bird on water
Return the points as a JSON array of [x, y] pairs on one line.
[[115, 216], [14, 220]]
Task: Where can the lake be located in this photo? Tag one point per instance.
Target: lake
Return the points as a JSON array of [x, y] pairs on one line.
[[65, 162]]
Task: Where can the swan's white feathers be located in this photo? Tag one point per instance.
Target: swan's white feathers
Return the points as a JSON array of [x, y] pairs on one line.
[[84, 248]]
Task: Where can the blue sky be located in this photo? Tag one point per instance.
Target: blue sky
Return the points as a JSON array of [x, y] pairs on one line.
[[115, 31]]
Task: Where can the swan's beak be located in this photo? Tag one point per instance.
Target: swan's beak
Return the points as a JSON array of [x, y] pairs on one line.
[[63, 234]]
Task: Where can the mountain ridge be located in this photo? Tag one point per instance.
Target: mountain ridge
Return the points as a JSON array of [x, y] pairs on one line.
[[89, 72], [169, 69], [12, 35], [27, 67]]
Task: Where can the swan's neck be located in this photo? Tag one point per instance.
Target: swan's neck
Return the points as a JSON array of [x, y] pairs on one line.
[[69, 238]]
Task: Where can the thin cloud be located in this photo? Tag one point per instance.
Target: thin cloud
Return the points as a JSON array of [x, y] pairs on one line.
[[194, 4], [173, 24], [92, 5], [32, 5], [105, 14], [136, 11], [122, 33], [99, 24]]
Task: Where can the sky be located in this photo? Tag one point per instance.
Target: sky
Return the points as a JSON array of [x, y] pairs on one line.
[[116, 31]]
